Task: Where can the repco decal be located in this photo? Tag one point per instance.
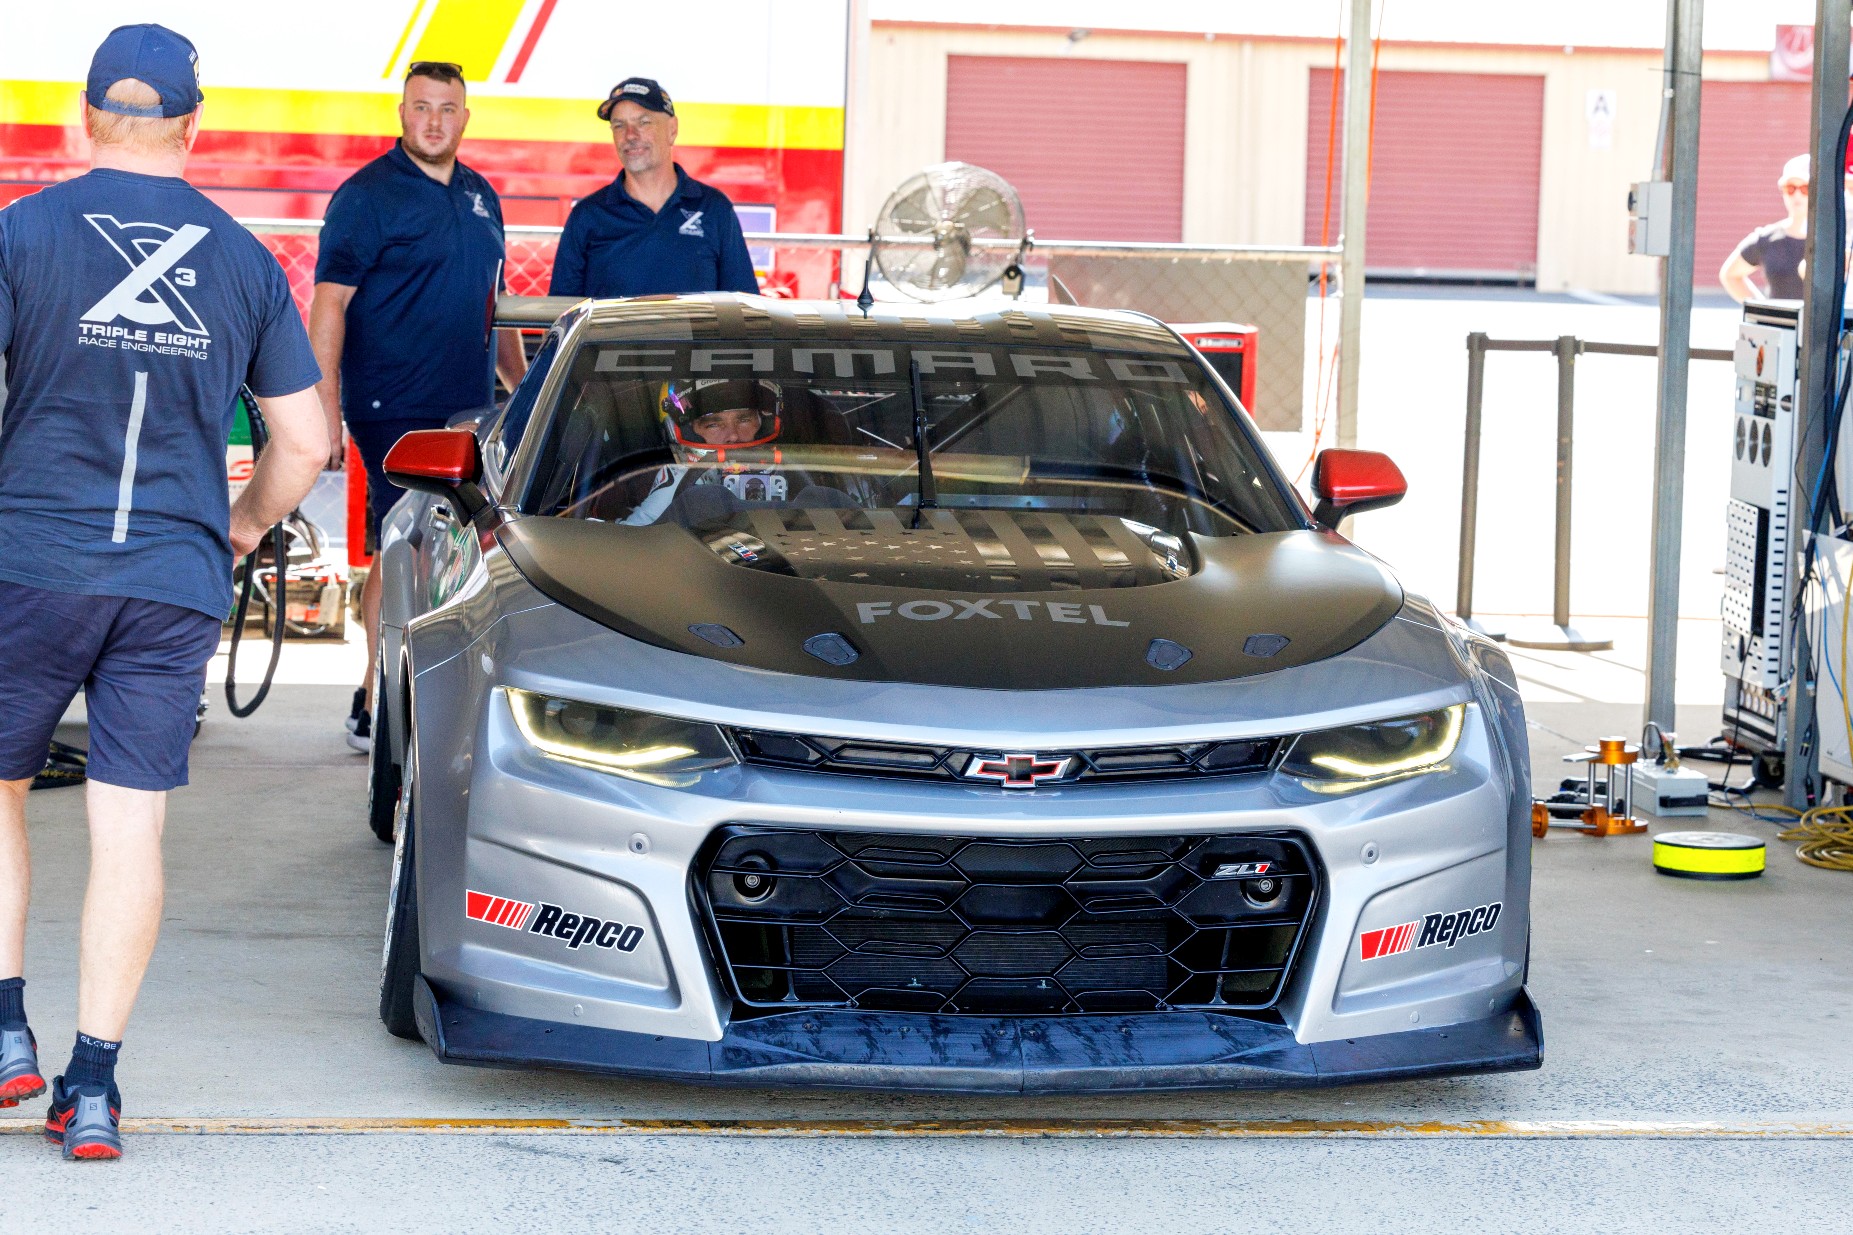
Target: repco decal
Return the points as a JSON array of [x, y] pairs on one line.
[[1436, 929], [540, 918]]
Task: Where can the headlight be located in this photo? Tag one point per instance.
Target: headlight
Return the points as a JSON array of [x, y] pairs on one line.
[[642, 746], [1380, 750]]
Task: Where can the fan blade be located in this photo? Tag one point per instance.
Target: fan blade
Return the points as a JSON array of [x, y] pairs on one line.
[[914, 212], [986, 208], [948, 266]]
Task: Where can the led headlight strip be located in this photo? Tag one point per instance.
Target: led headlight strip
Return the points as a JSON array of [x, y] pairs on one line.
[[1378, 750], [640, 745]]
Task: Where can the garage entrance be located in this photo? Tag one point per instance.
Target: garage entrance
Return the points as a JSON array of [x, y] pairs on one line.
[[1017, 115], [1454, 173], [1747, 131]]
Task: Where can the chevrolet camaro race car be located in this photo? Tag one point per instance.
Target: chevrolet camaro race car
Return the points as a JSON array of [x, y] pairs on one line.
[[951, 697]]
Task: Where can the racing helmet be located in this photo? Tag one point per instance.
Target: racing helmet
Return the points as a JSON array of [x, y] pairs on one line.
[[698, 412]]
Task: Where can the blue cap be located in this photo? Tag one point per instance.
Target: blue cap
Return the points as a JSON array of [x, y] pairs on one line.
[[152, 54], [645, 92]]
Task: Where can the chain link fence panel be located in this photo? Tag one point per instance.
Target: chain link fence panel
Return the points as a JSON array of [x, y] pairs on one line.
[[1269, 295]]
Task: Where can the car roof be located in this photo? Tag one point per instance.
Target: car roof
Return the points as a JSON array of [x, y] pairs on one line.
[[823, 323]]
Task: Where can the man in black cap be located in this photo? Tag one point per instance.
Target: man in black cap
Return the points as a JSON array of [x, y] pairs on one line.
[[131, 311], [655, 229]]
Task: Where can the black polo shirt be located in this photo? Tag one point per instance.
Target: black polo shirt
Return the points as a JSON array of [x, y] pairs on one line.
[[614, 245], [425, 258]]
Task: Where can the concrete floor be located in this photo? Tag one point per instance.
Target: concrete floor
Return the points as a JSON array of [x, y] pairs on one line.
[[1662, 1000]]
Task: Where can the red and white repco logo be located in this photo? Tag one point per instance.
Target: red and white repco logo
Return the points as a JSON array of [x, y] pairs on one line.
[[576, 929], [1436, 928], [498, 910]]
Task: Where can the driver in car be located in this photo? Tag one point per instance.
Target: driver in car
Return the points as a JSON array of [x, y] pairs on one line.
[[704, 418]]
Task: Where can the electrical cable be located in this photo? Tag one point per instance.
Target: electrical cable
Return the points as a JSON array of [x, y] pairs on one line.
[[279, 592]]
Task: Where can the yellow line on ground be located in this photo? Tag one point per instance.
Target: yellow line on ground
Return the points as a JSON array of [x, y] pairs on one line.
[[1597, 1129]]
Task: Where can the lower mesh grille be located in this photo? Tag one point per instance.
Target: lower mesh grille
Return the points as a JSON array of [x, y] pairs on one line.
[[946, 924]]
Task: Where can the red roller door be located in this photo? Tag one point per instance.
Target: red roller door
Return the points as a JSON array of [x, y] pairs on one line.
[[1043, 125], [1454, 173], [1747, 131]]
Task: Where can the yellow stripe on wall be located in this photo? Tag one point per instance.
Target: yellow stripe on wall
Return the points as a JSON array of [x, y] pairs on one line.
[[499, 117], [470, 32]]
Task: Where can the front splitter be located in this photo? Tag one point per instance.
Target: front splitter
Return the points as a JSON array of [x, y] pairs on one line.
[[980, 1054]]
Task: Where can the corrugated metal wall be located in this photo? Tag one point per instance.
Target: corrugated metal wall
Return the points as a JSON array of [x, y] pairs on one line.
[[1454, 187], [1747, 131], [1246, 135], [1095, 147]]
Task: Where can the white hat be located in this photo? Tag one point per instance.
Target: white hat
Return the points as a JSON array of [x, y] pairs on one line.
[[1795, 170]]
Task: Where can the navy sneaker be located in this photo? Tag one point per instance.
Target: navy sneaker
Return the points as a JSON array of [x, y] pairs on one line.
[[86, 1120], [19, 1067], [358, 710], [361, 737]]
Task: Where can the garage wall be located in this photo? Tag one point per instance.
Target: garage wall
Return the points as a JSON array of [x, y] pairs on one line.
[[1454, 171], [1017, 115], [1246, 136], [1747, 131]]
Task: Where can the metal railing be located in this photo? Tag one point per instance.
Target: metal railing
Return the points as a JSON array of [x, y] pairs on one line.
[[838, 242], [1566, 348]]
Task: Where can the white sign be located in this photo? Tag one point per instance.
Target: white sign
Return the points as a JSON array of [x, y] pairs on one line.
[[1599, 113]]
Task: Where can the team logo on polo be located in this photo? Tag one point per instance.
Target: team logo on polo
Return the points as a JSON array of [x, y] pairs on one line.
[[541, 918], [1435, 929], [691, 223], [150, 295]]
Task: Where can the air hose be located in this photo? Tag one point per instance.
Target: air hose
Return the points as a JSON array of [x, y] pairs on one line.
[[279, 593]]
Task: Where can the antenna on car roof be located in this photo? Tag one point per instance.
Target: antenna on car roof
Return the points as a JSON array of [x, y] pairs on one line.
[[865, 299]]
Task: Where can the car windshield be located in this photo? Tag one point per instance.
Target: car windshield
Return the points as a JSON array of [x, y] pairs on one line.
[[708, 435]]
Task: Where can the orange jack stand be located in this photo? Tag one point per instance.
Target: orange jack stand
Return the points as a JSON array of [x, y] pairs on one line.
[[1611, 813]]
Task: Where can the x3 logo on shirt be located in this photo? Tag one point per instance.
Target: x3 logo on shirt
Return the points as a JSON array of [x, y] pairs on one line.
[[148, 295]]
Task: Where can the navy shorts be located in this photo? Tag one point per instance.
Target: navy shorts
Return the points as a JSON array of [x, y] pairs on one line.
[[140, 663], [373, 438]]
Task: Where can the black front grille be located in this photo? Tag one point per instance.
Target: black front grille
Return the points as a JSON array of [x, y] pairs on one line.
[[908, 923], [854, 757]]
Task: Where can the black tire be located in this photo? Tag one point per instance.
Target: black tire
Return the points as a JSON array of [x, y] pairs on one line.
[[383, 779], [399, 960]]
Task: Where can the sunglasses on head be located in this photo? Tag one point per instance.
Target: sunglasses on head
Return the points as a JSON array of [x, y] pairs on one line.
[[440, 70]]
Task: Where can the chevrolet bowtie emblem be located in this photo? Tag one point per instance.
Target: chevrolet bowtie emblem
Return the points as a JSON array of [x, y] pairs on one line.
[[1017, 771]]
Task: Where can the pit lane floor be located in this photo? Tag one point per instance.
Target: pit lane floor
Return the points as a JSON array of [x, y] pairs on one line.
[[1696, 1055]]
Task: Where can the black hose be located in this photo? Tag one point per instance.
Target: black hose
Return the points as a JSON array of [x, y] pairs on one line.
[[279, 593]]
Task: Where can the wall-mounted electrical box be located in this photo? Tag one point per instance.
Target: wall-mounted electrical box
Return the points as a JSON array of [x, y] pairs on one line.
[[1650, 218]]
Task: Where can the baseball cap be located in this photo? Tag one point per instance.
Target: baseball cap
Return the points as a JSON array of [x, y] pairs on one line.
[[1795, 171], [645, 92], [149, 53]]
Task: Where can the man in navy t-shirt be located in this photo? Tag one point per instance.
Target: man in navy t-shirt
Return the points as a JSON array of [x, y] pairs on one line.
[[654, 230], [410, 261], [131, 311]]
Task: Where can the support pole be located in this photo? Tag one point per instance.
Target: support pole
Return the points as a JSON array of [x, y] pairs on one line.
[[1470, 479], [1566, 454], [1560, 635], [1685, 20], [1820, 352], [1351, 226]]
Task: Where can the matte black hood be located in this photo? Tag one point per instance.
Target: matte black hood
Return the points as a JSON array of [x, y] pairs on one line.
[[1253, 604]]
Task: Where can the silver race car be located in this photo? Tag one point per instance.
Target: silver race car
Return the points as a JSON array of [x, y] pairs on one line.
[[932, 698]]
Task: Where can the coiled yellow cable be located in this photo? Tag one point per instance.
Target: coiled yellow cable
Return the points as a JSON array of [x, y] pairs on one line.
[[1825, 836]]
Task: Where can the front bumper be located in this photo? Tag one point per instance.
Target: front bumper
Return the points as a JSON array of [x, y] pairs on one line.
[[969, 1054]]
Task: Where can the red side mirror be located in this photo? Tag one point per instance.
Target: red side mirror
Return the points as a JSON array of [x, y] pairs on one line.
[[1349, 482], [441, 461]]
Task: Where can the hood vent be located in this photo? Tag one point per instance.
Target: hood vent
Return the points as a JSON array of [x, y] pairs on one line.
[[988, 551]]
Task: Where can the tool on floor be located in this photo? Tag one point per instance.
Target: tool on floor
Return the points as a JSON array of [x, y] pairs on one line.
[[1664, 788], [1708, 855], [1597, 807]]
